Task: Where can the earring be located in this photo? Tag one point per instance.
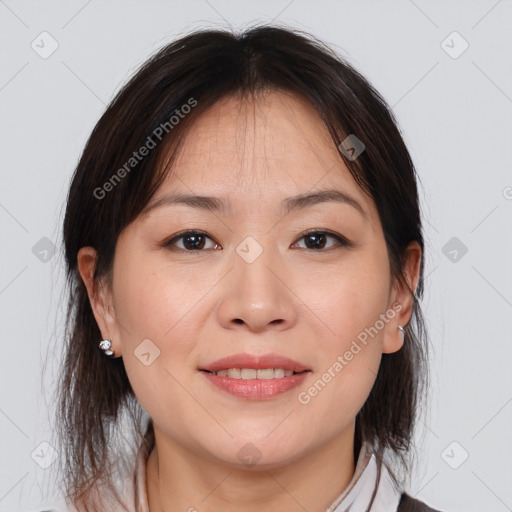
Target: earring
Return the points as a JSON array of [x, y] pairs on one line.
[[402, 332], [106, 345]]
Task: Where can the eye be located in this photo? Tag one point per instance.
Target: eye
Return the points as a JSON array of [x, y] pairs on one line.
[[316, 239], [192, 241]]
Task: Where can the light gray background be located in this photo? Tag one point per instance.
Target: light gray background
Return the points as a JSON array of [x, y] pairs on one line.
[[456, 116]]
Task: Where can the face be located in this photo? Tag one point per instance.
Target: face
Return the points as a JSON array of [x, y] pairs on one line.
[[200, 281]]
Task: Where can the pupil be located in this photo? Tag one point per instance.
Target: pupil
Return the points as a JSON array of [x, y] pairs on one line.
[[197, 242], [318, 243]]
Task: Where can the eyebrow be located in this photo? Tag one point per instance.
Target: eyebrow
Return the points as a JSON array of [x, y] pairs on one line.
[[299, 202]]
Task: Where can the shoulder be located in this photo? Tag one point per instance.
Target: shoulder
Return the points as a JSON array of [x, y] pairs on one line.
[[409, 504]]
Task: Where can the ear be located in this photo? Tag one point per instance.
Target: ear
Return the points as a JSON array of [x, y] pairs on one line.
[[100, 297], [402, 299]]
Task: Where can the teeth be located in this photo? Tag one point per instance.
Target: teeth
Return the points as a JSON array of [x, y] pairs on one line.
[[251, 373], [279, 373], [234, 373], [269, 373], [248, 373]]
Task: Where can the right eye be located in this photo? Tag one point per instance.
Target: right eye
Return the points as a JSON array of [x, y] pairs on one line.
[[192, 241]]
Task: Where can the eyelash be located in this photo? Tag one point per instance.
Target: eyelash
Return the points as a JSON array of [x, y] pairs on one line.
[[342, 241]]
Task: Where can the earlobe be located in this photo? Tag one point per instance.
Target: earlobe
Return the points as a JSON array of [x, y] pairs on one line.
[[393, 339]]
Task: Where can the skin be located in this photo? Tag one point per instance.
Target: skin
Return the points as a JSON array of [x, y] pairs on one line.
[[305, 303]]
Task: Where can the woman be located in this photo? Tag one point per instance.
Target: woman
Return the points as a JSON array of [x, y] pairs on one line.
[[245, 257]]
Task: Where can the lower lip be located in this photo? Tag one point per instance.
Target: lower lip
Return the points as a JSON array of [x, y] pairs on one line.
[[256, 389]]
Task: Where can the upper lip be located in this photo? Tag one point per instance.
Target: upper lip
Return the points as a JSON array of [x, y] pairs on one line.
[[255, 362]]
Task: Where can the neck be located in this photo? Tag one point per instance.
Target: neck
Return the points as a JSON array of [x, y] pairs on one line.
[[178, 479]]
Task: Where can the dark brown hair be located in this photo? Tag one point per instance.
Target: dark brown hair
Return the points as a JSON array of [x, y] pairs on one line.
[[199, 69]]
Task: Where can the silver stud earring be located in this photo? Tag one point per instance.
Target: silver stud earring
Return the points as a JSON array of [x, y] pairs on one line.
[[106, 346], [402, 332]]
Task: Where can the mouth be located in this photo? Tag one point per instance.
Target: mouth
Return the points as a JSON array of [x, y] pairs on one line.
[[245, 364], [253, 373], [255, 377]]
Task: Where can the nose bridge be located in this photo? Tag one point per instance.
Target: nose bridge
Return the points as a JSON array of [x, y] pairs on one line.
[[255, 294], [254, 263]]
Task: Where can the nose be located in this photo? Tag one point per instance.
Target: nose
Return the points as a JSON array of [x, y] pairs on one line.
[[257, 296]]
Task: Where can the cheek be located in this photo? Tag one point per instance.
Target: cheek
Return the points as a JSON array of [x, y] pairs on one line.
[[157, 336], [152, 300], [349, 360], [349, 304], [350, 298]]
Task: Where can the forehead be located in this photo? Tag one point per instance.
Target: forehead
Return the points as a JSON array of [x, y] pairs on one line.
[[262, 132], [274, 144]]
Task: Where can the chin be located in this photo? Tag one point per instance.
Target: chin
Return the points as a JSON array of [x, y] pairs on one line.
[[260, 452]]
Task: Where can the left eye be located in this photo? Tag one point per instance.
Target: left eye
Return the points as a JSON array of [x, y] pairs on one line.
[[316, 239]]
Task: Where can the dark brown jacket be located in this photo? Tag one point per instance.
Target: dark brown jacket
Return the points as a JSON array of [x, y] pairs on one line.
[[409, 504]]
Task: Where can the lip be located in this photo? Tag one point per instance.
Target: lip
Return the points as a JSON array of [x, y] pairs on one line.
[[255, 362], [255, 389]]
